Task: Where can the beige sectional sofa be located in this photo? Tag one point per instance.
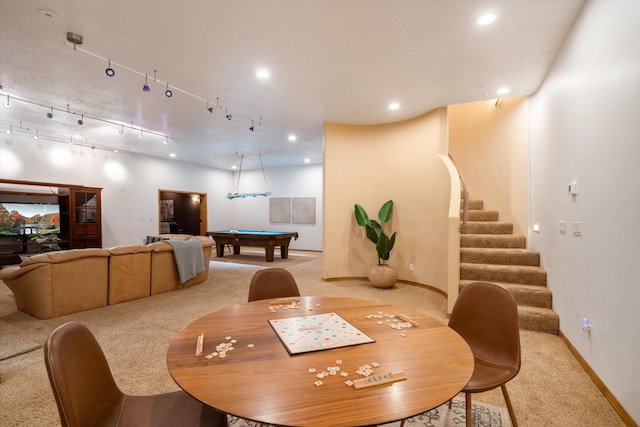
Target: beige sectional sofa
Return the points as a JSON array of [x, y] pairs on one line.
[[58, 283], [164, 272]]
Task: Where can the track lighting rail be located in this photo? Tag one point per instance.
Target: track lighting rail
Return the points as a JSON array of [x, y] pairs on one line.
[[169, 89], [82, 116]]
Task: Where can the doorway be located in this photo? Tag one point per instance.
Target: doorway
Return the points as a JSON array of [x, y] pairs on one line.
[[181, 212]]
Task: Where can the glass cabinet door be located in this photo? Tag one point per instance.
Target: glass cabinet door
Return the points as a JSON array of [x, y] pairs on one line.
[[86, 207]]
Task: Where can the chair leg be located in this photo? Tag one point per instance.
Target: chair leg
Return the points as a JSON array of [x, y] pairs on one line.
[[402, 423], [469, 415], [506, 398]]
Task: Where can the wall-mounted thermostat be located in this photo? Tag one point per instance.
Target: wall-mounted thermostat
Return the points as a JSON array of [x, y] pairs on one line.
[[573, 188]]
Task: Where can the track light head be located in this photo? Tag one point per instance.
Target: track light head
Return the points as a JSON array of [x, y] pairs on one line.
[[8, 103], [228, 116], [146, 87], [251, 128], [121, 131], [50, 114], [37, 135], [10, 130], [210, 109], [110, 71], [74, 38], [81, 120], [168, 93]]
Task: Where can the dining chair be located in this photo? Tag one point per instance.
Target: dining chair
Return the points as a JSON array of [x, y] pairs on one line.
[[486, 316], [272, 282], [87, 395]]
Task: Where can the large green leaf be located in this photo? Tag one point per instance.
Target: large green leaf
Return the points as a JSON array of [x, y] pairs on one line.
[[384, 246], [361, 216], [384, 214], [371, 234]]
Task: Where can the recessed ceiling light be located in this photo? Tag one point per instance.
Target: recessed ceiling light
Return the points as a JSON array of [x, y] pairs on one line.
[[486, 19], [292, 138], [503, 91], [234, 167], [172, 155], [263, 73], [47, 13], [307, 160], [394, 106]]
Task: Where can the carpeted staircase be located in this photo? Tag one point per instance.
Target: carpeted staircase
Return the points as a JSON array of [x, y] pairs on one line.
[[490, 252]]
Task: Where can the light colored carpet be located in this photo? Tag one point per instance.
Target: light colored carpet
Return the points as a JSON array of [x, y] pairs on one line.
[[551, 389], [13, 343]]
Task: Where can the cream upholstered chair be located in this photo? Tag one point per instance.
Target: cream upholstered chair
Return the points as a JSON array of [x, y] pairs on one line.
[[486, 316], [87, 395], [272, 282]]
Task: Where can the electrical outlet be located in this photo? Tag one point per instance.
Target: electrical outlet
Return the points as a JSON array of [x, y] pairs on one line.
[[410, 267]]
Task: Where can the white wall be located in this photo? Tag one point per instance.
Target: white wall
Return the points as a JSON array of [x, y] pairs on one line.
[[130, 186], [253, 212], [585, 126]]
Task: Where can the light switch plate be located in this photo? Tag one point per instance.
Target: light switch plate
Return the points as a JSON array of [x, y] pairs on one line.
[[577, 228]]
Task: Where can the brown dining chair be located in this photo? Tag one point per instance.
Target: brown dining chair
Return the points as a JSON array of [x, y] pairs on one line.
[[272, 282], [486, 316], [87, 395]]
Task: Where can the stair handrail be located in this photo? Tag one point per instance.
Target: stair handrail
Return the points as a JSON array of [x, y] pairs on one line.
[[465, 195]]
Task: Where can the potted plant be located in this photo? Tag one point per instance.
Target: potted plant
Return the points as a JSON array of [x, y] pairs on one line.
[[381, 275]]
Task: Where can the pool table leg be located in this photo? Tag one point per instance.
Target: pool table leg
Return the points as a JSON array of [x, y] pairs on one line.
[[284, 251], [269, 249]]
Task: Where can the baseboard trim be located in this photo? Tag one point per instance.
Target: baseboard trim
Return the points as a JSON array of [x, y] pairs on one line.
[[615, 404], [406, 282]]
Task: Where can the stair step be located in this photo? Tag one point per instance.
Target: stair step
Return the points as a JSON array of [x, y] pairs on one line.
[[488, 227], [477, 215], [473, 204], [525, 295], [492, 241], [490, 252], [523, 274], [539, 319], [499, 256]]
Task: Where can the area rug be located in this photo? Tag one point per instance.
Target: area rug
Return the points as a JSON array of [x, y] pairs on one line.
[[257, 257], [484, 415]]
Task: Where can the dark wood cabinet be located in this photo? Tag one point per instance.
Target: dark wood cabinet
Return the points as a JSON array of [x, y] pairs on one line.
[[80, 218], [85, 222]]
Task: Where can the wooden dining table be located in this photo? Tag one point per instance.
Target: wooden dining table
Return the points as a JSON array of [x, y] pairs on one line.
[[258, 378]]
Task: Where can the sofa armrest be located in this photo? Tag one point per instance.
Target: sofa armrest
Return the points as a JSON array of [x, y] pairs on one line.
[[15, 272]]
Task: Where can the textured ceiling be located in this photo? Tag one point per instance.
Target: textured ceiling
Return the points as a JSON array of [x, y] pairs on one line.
[[330, 61]]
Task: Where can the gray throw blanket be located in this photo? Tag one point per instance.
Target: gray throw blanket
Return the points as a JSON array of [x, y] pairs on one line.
[[189, 258]]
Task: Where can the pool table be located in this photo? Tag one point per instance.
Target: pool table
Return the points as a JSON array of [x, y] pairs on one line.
[[263, 238]]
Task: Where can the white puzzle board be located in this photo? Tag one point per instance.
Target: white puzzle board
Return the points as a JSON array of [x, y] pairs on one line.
[[318, 332]]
